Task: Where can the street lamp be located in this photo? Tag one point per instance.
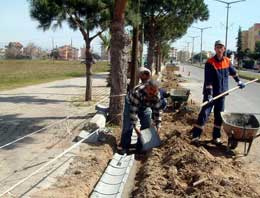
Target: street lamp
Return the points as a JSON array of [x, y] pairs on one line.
[[228, 3], [192, 51], [201, 34]]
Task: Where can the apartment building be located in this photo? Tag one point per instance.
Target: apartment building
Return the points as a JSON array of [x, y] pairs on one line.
[[250, 37], [67, 52]]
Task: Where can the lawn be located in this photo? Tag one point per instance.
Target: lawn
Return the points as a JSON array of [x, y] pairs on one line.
[[18, 73]]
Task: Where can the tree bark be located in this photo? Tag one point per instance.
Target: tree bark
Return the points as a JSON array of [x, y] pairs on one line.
[[118, 52], [134, 59], [89, 60]]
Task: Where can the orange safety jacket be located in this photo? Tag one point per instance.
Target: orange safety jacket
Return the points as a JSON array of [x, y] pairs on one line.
[[216, 75]]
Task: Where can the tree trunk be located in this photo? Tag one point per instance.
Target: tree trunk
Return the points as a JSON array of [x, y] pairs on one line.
[[118, 52], [88, 93], [134, 61]]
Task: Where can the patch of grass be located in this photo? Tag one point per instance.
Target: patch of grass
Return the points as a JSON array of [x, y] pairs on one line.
[[242, 74], [18, 73], [248, 76]]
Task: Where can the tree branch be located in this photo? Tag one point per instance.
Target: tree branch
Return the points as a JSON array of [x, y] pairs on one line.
[[99, 33]]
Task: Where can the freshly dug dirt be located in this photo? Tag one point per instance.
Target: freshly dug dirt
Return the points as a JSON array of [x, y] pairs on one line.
[[179, 169]]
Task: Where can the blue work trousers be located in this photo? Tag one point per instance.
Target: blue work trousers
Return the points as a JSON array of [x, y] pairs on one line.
[[144, 114], [205, 113]]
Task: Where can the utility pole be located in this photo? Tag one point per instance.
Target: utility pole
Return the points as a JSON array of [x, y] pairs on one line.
[[52, 50], [228, 6], [201, 36], [188, 50], [192, 51]]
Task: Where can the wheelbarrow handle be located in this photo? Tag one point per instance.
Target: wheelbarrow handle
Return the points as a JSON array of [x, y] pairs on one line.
[[227, 92]]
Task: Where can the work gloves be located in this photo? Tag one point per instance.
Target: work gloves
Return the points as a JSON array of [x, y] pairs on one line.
[[209, 93], [210, 98], [241, 84]]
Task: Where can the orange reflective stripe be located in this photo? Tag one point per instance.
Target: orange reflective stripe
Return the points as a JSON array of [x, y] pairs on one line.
[[219, 65]]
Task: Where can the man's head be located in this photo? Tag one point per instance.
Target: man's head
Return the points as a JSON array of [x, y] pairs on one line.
[[151, 88], [219, 48], [144, 74]]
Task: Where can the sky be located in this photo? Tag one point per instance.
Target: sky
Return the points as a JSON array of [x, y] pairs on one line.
[[17, 25], [244, 14]]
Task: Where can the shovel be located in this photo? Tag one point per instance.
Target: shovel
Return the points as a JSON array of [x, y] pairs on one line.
[[227, 92]]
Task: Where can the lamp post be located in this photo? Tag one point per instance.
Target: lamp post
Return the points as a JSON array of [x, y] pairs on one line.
[[192, 51], [228, 6], [201, 34]]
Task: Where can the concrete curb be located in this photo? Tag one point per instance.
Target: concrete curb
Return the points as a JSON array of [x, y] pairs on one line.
[[114, 180]]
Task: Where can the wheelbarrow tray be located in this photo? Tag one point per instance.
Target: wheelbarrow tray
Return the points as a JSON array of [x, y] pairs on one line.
[[240, 126], [180, 95], [172, 68]]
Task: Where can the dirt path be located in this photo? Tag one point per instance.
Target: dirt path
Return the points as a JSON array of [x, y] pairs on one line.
[[28, 109]]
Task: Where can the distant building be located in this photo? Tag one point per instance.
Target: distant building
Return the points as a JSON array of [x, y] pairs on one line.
[[250, 37], [67, 52], [173, 53], [183, 55], [14, 50], [2, 53]]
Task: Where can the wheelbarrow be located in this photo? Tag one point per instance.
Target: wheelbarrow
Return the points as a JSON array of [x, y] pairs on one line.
[[240, 127], [179, 97]]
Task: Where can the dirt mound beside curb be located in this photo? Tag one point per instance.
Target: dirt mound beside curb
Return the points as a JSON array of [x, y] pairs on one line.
[[175, 167]]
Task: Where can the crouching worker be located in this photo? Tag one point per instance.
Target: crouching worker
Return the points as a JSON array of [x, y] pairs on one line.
[[217, 71], [164, 95], [145, 104]]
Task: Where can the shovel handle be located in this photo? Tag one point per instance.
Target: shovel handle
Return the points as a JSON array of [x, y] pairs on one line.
[[227, 92]]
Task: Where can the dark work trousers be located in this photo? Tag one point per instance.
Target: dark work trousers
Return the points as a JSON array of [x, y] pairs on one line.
[[205, 113], [144, 114]]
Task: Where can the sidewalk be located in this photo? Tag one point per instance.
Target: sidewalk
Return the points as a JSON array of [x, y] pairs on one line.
[[26, 110]]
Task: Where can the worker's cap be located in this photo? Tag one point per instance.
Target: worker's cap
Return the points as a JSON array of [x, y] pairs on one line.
[[144, 70], [219, 42]]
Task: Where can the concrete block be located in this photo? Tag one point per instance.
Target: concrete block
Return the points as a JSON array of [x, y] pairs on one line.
[[114, 181], [111, 179], [92, 139], [98, 121], [107, 189], [100, 108], [100, 195], [115, 171]]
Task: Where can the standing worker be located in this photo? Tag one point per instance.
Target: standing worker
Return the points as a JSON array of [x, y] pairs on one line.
[[217, 71]]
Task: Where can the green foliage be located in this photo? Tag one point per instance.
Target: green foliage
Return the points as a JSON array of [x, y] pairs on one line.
[[88, 14], [240, 54], [257, 47], [165, 48], [196, 57], [170, 18]]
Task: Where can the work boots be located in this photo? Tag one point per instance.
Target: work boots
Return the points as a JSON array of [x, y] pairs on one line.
[[216, 136]]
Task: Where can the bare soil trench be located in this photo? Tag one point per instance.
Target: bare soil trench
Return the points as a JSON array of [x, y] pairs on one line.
[[172, 169]]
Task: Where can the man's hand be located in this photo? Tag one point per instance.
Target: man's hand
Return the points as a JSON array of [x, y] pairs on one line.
[[158, 129], [138, 132], [241, 84], [210, 98]]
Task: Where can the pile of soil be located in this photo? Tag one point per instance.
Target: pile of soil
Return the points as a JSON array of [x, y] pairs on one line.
[[179, 169]]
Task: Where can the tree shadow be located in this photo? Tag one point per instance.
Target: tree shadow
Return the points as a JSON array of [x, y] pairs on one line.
[[13, 127], [29, 100], [217, 150]]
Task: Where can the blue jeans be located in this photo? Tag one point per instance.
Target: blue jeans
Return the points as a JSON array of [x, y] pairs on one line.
[[144, 115], [205, 113]]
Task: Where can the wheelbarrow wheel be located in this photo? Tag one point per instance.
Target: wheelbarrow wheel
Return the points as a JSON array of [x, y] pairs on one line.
[[232, 144]]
